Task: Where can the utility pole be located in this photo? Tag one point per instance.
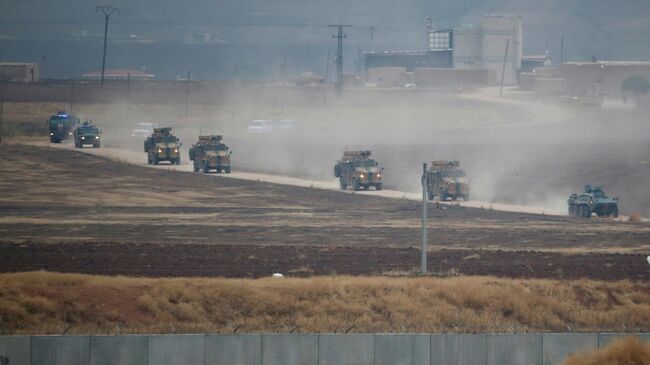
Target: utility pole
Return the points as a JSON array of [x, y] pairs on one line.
[[107, 11], [2, 104], [71, 109], [372, 37], [128, 100], [561, 50], [423, 254], [327, 76], [503, 69], [284, 82], [339, 55], [234, 102], [187, 97]]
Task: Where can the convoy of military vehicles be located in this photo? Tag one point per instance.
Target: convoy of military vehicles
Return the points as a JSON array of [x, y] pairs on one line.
[[443, 178], [358, 170], [162, 145], [208, 153]]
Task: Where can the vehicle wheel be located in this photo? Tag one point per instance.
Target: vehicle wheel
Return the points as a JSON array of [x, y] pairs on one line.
[[218, 170], [155, 160], [570, 210], [356, 185], [227, 170], [378, 187], [206, 168], [149, 162], [342, 183], [97, 145], [178, 160], [196, 167], [586, 211], [613, 211]]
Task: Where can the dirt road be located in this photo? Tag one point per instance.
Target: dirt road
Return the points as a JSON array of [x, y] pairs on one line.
[[136, 158], [75, 212]]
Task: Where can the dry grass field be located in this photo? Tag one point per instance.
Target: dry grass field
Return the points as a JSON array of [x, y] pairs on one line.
[[42, 302], [627, 351]]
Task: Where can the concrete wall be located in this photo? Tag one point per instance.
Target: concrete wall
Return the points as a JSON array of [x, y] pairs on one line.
[[447, 77], [18, 349], [355, 349], [118, 350], [601, 78], [307, 349]]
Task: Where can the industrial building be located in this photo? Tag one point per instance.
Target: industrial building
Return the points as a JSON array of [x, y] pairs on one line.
[[468, 47], [19, 72]]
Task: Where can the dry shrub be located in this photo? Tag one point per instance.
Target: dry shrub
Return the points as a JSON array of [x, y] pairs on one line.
[[635, 217], [46, 302], [626, 351]]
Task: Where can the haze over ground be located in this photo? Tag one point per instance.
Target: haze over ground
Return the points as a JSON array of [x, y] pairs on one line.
[[65, 36]]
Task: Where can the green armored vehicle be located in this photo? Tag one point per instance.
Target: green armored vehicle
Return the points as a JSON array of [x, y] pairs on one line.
[[210, 154], [593, 200], [446, 180], [162, 145], [358, 170], [87, 134], [61, 126]]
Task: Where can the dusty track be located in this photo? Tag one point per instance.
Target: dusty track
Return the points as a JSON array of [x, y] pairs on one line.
[[136, 158], [72, 212]]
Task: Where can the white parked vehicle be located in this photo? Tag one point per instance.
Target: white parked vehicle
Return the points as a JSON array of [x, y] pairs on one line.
[[142, 130], [260, 126]]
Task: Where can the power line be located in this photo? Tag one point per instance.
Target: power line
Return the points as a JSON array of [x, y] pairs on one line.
[[339, 55], [107, 11]]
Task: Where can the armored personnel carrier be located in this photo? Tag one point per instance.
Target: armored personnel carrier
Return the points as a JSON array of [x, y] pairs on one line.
[[593, 200], [162, 145], [61, 125], [87, 134], [210, 154], [358, 170], [446, 180]]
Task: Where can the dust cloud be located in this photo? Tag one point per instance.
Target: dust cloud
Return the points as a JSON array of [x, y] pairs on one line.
[[516, 152]]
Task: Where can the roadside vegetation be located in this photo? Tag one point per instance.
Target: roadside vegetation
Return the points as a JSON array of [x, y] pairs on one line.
[[49, 303], [626, 351]]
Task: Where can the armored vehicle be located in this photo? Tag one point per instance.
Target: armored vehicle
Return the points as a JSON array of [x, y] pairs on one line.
[[446, 180], [162, 145], [210, 154], [87, 134], [358, 170], [61, 126], [593, 200]]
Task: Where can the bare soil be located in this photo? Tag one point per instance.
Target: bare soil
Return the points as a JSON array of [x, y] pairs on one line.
[[70, 212]]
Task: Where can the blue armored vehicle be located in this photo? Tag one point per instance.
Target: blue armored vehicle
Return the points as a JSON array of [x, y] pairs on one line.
[[61, 126], [593, 200]]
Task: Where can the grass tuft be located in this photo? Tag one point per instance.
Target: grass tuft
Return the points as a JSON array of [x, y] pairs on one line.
[[626, 351]]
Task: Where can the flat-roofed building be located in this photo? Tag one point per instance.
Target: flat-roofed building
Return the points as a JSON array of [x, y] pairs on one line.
[[19, 72]]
